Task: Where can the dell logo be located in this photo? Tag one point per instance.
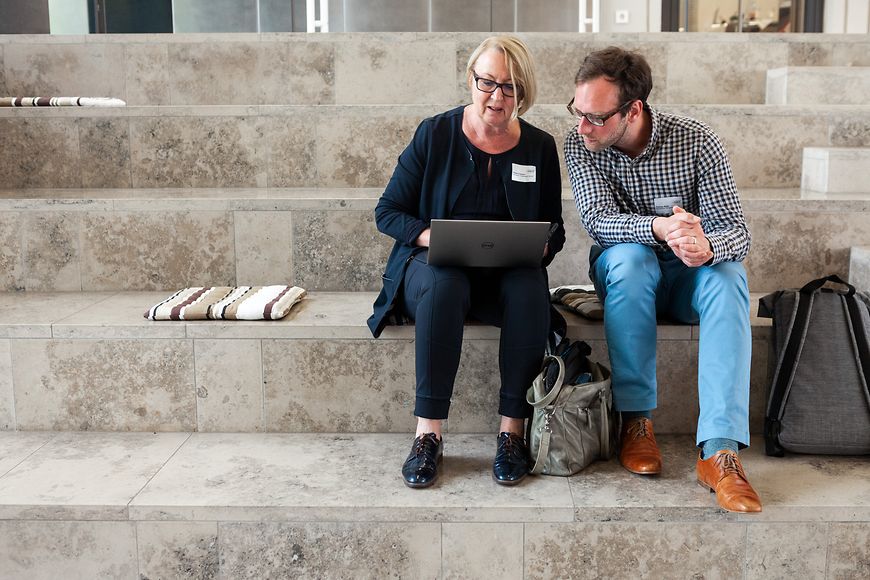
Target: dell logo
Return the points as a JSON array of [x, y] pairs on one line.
[[487, 245]]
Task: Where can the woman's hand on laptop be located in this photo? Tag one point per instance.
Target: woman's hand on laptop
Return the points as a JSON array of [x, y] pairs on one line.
[[423, 239]]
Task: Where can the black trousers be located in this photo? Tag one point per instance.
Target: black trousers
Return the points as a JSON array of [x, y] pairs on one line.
[[439, 299]]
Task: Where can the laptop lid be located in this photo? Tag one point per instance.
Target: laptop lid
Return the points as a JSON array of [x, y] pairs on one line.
[[487, 244]]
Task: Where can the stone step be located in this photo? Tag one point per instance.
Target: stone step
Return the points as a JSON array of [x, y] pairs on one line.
[[843, 170], [818, 85], [326, 240], [167, 505], [859, 268], [371, 68], [342, 146], [90, 361]]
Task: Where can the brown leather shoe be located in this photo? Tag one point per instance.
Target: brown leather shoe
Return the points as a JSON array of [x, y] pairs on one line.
[[638, 452], [723, 474]]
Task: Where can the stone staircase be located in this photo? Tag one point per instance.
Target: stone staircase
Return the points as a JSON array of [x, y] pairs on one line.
[[137, 449]]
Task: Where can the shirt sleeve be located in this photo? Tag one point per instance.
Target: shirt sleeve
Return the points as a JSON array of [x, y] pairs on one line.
[[596, 201], [720, 210]]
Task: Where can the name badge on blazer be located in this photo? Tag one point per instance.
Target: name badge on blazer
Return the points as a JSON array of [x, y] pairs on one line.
[[525, 173]]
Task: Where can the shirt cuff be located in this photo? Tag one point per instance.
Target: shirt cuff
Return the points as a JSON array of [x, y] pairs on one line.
[[643, 231], [720, 248]]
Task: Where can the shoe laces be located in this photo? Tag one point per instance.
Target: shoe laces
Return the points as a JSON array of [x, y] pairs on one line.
[[639, 429], [421, 442], [731, 465]]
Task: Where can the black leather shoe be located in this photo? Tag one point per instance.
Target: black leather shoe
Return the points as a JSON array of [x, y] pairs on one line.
[[511, 463], [421, 467]]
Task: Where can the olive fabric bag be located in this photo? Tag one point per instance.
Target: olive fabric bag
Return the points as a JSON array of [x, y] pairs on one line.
[[573, 422], [819, 397]]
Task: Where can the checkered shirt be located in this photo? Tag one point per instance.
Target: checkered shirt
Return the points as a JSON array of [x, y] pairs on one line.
[[684, 159]]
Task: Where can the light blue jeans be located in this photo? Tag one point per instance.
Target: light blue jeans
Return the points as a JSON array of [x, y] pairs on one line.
[[636, 284]]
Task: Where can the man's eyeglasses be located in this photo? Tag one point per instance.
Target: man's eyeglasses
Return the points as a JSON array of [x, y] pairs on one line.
[[597, 120], [490, 86]]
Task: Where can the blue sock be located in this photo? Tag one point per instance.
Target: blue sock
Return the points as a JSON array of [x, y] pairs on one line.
[[711, 446], [629, 415]]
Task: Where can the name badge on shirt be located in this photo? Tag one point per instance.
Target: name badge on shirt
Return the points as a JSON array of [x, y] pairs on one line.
[[665, 205], [525, 173]]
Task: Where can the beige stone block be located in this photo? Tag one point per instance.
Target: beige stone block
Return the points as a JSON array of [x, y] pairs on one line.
[[7, 397], [16, 446], [85, 476], [65, 70], [206, 151], [810, 53], [11, 251], [812, 85], [304, 477], [177, 549], [791, 248], [40, 550], [123, 385], [147, 74], [765, 150], [263, 247], [849, 551], [339, 385], [31, 314], [214, 73], [819, 488], [3, 88], [296, 73], [52, 252], [363, 550], [229, 385], [157, 251], [293, 149], [375, 72], [790, 550], [105, 152], [618, 550], [117, 315], [358, 147], [46, 152], [851, 53], [571, 265], [338, 251], [849, 129], [859, 268], [836, 169], [720, 72], [482, 550]]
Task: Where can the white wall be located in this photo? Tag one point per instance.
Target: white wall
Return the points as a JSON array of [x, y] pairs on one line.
[[850, 16], [643, 15], [68, 16]]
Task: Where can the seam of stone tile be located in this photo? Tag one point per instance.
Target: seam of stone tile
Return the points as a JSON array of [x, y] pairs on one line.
[[158, 470], [84, 307], [828, 533], [29, 455]]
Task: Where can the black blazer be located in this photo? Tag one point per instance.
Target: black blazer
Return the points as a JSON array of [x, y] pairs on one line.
[[431, 173]]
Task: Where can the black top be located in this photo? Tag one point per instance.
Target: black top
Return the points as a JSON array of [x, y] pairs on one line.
[[483, 197]]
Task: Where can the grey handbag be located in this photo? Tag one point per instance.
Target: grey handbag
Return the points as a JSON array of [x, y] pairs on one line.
[[572, 425]]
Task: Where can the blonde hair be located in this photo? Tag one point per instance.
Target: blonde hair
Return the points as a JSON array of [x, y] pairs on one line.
[[520, 66]]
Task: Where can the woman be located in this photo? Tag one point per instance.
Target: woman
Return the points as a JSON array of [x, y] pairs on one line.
[[478, 161]]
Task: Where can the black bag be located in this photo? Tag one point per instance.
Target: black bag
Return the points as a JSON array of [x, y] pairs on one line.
[[819, 398]]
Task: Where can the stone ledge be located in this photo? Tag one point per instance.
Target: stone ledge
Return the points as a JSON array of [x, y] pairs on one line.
[[355, 478], [320, 315]]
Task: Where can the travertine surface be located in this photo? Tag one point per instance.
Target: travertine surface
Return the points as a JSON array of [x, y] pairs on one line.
[[104, 385], [859, 268]]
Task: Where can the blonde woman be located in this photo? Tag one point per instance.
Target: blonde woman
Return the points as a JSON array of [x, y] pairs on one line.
[[478, 161]]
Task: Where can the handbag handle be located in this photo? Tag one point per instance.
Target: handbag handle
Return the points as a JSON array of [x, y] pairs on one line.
[[811, 287], [557, 386]]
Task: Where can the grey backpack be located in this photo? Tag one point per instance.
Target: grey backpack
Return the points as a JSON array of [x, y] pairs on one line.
[[819, 398]]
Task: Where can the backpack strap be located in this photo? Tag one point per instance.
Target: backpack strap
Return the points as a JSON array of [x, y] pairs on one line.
[[859, 332], [786, 364]]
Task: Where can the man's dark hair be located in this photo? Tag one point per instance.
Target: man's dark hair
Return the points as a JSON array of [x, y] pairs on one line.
[[628, 70]]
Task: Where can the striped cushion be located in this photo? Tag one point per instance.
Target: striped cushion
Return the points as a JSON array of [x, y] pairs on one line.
[[228, 303]]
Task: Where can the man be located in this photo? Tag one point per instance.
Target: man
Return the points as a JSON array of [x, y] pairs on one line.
[[656, 194]]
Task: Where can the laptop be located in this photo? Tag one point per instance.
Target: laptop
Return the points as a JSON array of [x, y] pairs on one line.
[[487, 244]]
